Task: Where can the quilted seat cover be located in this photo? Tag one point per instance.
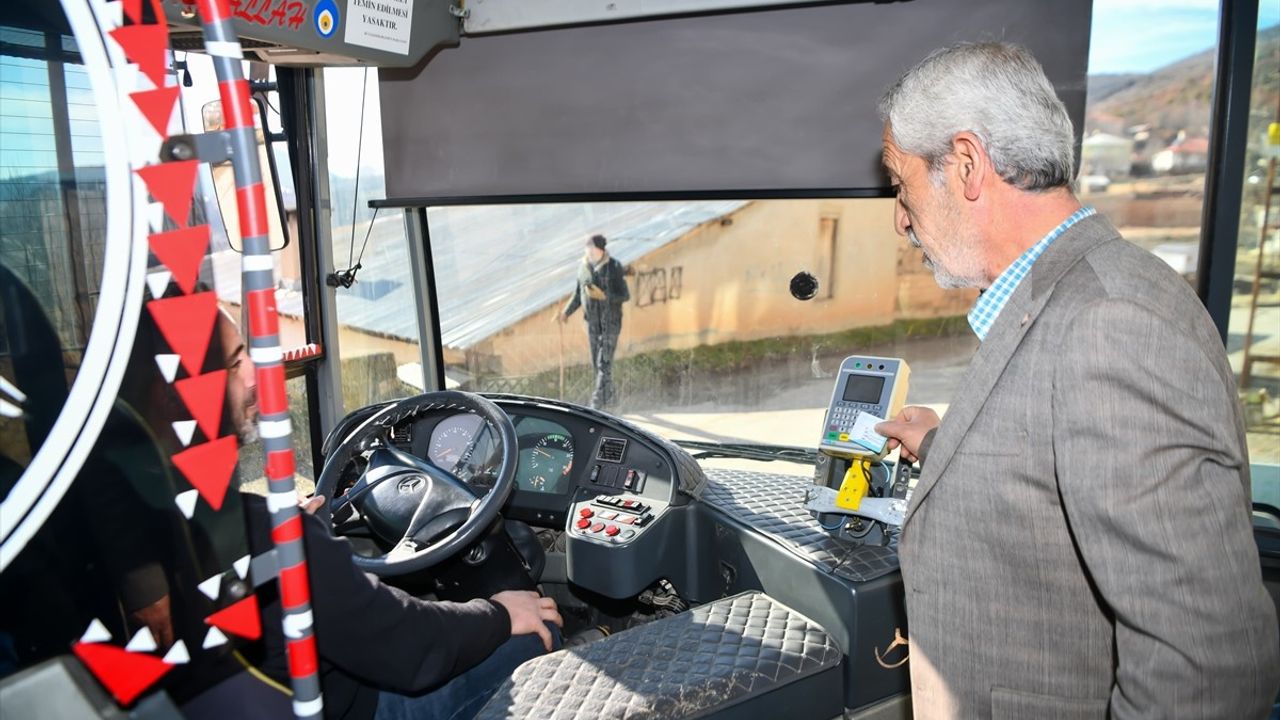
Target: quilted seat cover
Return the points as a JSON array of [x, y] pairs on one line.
[[774, 505], [685, 666]]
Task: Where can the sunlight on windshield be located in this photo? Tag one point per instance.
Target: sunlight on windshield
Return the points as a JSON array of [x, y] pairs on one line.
[[709, 342]]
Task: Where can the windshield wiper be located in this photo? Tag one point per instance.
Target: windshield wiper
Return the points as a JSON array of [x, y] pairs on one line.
[[751, 451]]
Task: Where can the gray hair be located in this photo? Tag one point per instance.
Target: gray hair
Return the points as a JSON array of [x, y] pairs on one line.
[[998, 92]]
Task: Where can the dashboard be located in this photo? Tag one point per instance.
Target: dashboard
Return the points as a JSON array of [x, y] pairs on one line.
[[624, 498], [562, 453]]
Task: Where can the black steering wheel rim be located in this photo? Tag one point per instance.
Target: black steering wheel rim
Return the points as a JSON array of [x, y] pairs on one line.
[[482, 513]]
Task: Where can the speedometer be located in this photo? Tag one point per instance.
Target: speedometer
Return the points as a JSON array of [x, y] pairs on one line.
[[454, 442], [449, 447], [550, 463]]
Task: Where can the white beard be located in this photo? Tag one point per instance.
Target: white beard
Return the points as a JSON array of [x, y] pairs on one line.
[[945, 279]]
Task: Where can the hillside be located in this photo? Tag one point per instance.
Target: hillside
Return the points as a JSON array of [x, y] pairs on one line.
[[1101, 87], [1179, 95]]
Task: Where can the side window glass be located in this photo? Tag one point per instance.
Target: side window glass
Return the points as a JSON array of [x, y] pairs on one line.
[[1146, 128], [1253, 333], [381, 359]]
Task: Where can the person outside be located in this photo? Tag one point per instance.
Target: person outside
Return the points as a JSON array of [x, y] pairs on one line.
[[601, 291]]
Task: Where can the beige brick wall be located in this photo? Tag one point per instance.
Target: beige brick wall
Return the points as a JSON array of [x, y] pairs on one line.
[[734, 277]]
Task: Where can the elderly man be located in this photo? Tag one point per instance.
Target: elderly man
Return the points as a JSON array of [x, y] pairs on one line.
[[601, 291], [1079, 544]]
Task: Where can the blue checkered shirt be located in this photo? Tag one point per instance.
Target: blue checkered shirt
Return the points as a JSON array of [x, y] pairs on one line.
[[990, 303]]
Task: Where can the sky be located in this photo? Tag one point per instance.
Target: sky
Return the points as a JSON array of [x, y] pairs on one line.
[[1138, 36]]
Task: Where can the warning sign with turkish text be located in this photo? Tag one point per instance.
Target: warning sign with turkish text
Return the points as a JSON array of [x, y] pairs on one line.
[[380, 24]]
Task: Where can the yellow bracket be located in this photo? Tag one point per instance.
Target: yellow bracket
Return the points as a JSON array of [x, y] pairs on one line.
[[856, 483]]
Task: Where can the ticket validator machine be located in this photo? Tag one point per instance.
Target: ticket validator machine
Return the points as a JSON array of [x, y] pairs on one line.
[[857, 494]]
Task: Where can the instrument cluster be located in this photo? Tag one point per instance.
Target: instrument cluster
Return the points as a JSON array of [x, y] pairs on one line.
[[464, 445]]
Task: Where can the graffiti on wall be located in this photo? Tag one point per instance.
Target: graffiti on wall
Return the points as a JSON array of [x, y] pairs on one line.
[[658, 285]]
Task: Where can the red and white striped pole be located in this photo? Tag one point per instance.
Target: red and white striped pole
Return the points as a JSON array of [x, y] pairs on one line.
[[258, 283]]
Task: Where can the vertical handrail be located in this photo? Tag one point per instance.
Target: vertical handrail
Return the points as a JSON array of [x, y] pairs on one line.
[[1224, 177], [274, 427]]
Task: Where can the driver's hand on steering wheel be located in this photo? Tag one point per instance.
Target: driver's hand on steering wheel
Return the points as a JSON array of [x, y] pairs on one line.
[[529, 613]]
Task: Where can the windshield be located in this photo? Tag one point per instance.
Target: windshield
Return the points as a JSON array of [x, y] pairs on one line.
[[681, 317]]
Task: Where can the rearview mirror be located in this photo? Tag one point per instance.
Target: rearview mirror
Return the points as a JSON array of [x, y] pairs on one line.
[[211, 113], [224, 184]]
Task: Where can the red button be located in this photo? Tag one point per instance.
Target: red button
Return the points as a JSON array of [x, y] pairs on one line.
[[583, 524], [626, 519], [597, 527], [611, 530], [586, 512]]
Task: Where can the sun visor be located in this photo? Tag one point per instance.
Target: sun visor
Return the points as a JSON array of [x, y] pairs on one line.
[[387, 33], [780, 100]]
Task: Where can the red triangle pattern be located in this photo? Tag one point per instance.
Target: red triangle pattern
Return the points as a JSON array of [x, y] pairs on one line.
[[173, 184], [133, 9], [241, 619], [208, 468], [157, 107], [182, 252], [186, 323], [145, 45], [126, 674], [203, 396]]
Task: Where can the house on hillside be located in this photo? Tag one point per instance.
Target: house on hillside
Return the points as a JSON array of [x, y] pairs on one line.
[[1106, 155], [1184, 156], [1102, 122]]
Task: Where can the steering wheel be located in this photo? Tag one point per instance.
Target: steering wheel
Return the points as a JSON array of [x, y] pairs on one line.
[[425, 513]]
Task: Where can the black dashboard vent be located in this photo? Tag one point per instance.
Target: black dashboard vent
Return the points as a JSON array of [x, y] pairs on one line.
[[611, 449]]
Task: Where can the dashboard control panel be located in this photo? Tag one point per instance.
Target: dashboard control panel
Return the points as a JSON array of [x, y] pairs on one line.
[[563, 455], [614, 519], [616, 478], [614, 490]]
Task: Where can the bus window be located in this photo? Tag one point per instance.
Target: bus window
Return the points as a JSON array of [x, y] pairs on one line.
[[1146, 129], [377, 325], [1143, 164], [53, 221], [710, 344], [1253, 338]]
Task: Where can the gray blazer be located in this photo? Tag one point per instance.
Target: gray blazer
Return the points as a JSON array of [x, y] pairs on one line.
[[1079, 544]]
